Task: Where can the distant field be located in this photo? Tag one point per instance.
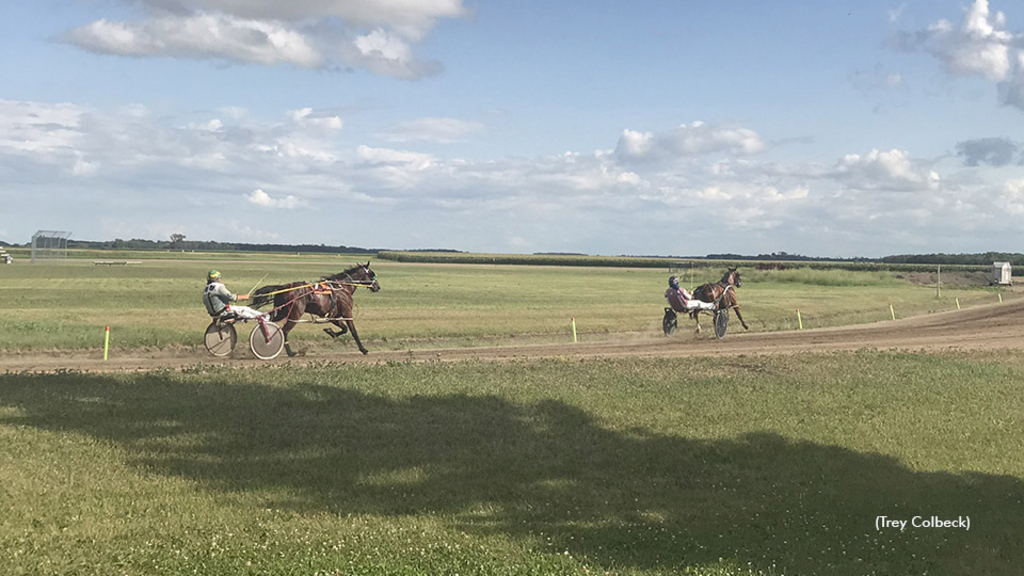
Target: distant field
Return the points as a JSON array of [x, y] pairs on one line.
[[157, 303], [751, 466], [651, 262]]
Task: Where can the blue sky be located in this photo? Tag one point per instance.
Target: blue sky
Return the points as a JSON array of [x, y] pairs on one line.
[[648, 127]]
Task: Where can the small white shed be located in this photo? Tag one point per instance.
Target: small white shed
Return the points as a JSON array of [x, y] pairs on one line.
[[1002, 273]]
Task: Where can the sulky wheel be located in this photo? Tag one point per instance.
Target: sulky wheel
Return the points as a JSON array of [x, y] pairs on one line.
[[721, 322], [220, 338], [266, 340], [669, 322]]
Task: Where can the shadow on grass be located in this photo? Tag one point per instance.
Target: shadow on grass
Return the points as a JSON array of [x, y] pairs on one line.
[[635, 499]]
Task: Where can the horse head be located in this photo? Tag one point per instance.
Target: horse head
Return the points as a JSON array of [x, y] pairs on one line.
[[370, 276], [358, 275], [732, 276]]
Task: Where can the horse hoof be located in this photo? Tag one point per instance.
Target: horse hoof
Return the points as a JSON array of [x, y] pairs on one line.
[[364, 351], [291, 354]]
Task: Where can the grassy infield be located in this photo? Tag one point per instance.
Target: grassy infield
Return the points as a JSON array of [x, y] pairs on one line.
[[157, 304], [756, 465]]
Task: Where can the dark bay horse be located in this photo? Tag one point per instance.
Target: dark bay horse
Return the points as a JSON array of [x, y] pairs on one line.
[[330, 298], [723, 292]]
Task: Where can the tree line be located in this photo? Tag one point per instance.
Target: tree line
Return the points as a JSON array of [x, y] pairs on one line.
[[178, 242]]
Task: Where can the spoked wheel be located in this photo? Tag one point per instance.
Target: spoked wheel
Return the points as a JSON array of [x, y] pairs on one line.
[[721, 322], [668, 324], [220, 338], [267, 344]]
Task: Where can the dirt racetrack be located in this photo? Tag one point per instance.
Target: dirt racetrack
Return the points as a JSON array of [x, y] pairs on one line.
[[998, 326]]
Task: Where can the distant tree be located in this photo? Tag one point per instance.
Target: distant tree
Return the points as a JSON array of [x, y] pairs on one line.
[[176, 240]]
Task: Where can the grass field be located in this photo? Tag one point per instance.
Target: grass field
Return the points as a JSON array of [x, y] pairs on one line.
[[756, 465], [157, 303]]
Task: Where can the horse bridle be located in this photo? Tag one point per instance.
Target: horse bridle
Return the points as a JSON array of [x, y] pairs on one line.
[[364, 283]]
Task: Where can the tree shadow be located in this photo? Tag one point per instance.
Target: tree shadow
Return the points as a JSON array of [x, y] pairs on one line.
[[626, 499]]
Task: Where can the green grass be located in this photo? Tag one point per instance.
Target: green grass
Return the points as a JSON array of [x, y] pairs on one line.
[[756, 465], [157, 303]]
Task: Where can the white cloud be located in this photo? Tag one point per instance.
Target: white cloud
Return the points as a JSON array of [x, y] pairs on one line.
[[380, 45], [413, 18], [31, 127], [415, 160], [84, 168], [980, 45], [308, 118], [440, 130], [1012, 198], [130, 162], [688, 140], [1011, 90], [892, 170], [261, 198], [376, 35], [201, 36]]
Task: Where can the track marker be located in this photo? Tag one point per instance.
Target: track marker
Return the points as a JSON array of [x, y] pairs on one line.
[[957, 303], [106, 343], [1000, 297], [799, 320], [892, 311], [574, 330]]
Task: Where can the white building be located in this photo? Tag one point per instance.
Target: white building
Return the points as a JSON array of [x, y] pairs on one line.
[[1002, 273]]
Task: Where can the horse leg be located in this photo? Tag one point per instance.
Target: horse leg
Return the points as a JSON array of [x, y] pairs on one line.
[[696, 316], [737, 309], [352, 329], [289, 322], [343, 330], [732, 303], [288, 325]]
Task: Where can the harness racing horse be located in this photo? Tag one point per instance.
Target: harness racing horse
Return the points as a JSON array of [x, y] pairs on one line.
[[331, 299], [722, 294]]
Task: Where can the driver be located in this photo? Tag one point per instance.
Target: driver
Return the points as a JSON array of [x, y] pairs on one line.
[[217, 299], [677, 297]]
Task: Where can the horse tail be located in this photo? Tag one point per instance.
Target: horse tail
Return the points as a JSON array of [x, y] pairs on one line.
[[264, 295]]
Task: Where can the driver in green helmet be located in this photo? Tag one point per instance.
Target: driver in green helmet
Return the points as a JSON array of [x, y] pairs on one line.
[[218, 299]]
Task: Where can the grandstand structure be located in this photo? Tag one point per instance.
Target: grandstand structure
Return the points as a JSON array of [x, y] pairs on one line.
[[50, 246]]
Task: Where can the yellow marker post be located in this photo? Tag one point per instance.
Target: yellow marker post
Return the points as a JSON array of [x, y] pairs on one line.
[[106, 343], [799, 320], [1000, 297], [892, 311], [574, 330], [957, 303]]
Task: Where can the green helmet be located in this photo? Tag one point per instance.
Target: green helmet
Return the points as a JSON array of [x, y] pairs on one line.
[[212, 275]]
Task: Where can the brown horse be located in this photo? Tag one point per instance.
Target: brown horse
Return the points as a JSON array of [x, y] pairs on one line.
[[331, 298], [722, 294]]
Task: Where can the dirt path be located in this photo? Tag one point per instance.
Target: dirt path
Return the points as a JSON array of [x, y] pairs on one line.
[[999, 326]]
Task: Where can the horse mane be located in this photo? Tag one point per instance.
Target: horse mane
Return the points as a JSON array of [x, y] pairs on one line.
[[341, 275]]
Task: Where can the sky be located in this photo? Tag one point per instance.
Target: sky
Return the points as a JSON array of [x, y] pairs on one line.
[[830, 129]]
